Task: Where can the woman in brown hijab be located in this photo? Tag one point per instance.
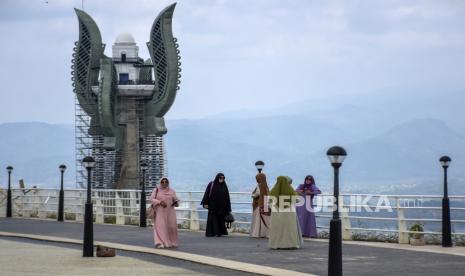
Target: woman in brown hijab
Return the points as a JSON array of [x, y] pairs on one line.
[[260, 219]]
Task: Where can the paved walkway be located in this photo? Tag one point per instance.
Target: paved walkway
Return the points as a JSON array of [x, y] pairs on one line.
[[312, 258], [41, 259]]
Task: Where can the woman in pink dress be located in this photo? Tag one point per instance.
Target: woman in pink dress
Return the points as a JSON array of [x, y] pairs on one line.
[[165, 226]]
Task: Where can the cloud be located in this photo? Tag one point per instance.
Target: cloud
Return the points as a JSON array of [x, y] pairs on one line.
[[239, 54]]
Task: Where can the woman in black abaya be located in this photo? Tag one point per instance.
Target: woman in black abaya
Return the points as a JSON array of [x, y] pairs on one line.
[[216, 200]]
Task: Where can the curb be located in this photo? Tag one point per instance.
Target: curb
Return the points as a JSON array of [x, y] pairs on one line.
[[205, 260], [435, 249]]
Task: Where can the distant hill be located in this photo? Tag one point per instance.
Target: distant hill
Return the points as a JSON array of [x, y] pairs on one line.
[[35, 150], [406, 159], [371, 114], [393, 145], [401, 159], [409, 150]]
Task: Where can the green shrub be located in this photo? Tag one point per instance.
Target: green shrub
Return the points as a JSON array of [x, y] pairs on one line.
[[70, 216], [34, 213], [109, 219], [417, 227], [52, 215]]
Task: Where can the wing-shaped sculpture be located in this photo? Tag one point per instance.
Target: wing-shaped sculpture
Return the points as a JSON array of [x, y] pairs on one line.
[[86, 65], [126, 99], [164, 52], [145, 74], [107, 103]]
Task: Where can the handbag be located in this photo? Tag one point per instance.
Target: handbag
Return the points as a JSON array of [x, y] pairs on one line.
[[212, 183], [103, 251], [150, 212], [267, 213], [229, 219]]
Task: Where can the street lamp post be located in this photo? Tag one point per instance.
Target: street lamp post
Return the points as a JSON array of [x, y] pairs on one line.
[[88, 245], [259, 165], [336, 156], [143, 205], [61, 199], [446, 227], [8, 198]]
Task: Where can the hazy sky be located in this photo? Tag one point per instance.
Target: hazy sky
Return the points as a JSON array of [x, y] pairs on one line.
[[238, 54]]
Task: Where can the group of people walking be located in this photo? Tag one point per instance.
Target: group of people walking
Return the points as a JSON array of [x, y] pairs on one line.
[[284, 227]]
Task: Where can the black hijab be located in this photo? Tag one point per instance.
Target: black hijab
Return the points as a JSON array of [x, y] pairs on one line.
[[217, 196], [217, 178]]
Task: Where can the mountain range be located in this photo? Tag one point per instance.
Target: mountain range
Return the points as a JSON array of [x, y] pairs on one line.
[[393, 142]]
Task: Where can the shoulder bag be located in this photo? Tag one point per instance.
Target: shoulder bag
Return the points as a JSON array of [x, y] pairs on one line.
[[150, 212]]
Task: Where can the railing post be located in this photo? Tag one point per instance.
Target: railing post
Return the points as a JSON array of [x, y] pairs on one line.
[[3, 203], [99, 215], [119, 209], [345, 220], [194, 215], [401, 223], [134, 207], [26, 204], [79, 207], [19, 203], [41, 212]]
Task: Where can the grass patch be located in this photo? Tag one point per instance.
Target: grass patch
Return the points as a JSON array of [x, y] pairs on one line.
[[70, 216], [52, 216], [109, 219]]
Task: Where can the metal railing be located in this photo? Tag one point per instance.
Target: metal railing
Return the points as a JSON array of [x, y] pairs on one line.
[[392, 214]]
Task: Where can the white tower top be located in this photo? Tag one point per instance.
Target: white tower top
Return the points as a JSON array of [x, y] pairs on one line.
[[125, 55], [125, 48], [125, 38]]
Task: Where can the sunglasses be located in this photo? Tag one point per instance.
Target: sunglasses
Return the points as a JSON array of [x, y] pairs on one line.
[[164, 181], [221, 177]]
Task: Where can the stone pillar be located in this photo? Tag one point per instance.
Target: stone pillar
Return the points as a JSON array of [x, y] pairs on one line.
[[129, 178]]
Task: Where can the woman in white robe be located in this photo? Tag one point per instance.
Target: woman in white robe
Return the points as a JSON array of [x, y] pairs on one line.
[[260, 219]]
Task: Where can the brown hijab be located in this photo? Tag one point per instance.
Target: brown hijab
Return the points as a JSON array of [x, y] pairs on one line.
[[264, 191]]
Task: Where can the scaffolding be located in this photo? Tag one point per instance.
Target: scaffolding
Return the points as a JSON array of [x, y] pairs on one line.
[[83, 143], [108, 162], [155, 156]]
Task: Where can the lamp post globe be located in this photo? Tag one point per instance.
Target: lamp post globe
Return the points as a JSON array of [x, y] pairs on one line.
[[143, 204], [446, 224], [88, 245], [143, 166], [445, 161], [259, 165], [89, 162], [9, 203], [336, 156], [61, 197]]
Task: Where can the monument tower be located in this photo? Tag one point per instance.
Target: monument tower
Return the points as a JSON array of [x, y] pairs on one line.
[[121, 101]]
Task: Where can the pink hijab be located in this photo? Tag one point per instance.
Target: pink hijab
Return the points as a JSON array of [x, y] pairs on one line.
[[165, 193]]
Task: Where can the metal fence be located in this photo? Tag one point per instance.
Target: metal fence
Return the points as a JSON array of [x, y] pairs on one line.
[[391, 214]]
